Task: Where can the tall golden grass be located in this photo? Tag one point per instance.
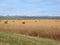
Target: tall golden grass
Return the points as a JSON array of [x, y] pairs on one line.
[[46, 28]]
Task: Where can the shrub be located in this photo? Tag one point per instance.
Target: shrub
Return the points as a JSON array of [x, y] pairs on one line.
[[35, 21], [13, 21], [23, 22], [6, 22]]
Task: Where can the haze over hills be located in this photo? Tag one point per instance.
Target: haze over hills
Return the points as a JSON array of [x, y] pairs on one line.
[[29, 16]]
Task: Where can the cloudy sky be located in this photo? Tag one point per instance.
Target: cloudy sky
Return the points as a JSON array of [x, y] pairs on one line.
[[30, 7]]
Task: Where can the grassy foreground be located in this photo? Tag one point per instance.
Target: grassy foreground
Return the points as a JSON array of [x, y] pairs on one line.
[[17, 39]]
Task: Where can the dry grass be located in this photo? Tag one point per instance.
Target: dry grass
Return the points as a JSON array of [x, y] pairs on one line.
[[18, 39], [47, 28]]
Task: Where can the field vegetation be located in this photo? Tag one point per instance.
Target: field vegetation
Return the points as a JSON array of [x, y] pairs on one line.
[[46, 28], [7, 38]]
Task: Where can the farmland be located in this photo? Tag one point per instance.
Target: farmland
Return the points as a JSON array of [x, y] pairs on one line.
[[46, 28]]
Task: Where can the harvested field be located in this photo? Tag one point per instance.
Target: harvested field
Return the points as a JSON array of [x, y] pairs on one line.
[[46, 28]]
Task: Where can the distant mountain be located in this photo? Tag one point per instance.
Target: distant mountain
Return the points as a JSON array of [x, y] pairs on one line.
[[29, 16]]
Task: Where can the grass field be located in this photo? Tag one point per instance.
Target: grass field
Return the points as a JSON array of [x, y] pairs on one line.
[[18, 39], [46, 28]]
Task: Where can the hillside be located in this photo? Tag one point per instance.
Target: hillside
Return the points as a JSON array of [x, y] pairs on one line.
[[17, 39]]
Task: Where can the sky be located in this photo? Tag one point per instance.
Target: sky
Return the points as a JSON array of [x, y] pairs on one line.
[[29, 7]]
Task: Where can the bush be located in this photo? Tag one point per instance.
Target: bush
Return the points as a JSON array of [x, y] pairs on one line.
[[13, 21], [6, 22], [23, 22], [35, 21]]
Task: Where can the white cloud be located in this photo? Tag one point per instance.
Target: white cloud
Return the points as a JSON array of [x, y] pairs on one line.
[[21, 13], [27, 13], [56, 14]]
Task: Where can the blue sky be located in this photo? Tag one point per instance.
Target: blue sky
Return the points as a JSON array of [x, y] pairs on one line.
[[30, 7]]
